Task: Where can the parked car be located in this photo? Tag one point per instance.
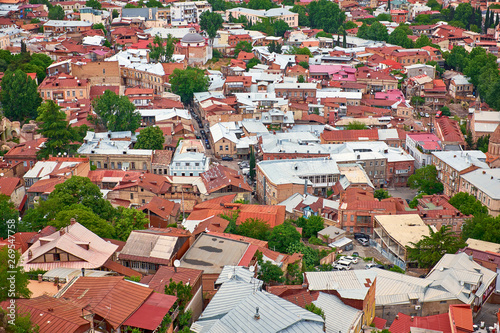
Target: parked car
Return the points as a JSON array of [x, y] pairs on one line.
[[202, 132], [207, 145], [355, 254], [227, 158], [198, 137], [374, 265], [361, 235], [341, 268], [363, 241], [344, 263], [245, 171], [244, 165], [352, 259]]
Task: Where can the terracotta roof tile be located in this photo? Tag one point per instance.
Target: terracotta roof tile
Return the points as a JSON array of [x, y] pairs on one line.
[[165, 273]]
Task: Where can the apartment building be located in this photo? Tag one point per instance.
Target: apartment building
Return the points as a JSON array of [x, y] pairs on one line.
[[296, 92], [421, 145], [254, 16], [150, 76], [277, 180], [483, 184], [188, 12], [64, 87], [59, 26]]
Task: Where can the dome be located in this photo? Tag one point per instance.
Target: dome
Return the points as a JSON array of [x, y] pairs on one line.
[[192, 38]]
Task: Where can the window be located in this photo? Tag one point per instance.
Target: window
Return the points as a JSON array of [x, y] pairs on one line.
[[112, 165], [98, 165], [227, 147], [132, 165], [74, 93], [187, 163], [68, 93], [352, 218], [119, 164], [81, 93], [221, 148], [103, 71], [48, 94], [144, 166], [197, 164], [57, 257], [131, 196]]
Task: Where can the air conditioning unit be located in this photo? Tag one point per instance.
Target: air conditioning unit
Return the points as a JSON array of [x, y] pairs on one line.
[[417, 307]]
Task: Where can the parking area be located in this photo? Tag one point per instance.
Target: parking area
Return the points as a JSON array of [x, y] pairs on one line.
[[365, 252]]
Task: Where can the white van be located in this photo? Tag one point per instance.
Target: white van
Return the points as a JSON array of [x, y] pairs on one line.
[[344, 263]]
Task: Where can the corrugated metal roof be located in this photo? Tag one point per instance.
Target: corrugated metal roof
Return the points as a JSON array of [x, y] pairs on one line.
[[334, 309]]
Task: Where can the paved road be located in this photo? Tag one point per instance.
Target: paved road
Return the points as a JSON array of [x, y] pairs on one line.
[[402, 192]]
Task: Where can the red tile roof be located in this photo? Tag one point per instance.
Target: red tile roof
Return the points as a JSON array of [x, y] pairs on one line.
[[162, 207], [461, 318], [52, 315], [151, 313], [165, 273], [9, 184], [46, 185], [379, 323], [214, 223], [296, 294], [403, 323], [220, 177], [110, 297], [27, 149]]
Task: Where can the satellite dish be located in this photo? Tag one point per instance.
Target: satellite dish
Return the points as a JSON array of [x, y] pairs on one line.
[[177, 263], [252, 269]]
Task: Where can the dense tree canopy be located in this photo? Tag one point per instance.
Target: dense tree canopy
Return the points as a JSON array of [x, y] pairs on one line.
[[93, 3], [310, 226], [8, 212], [268, 272], [56, 13], [400, 37], [211, 22], [60, 135], [425, 179], [430, 249], [150, 138], [19, 96], [185, 82], [467, 204], [162, 50], [326, 15], [242, 46], [116, 113], [376, 31], [11, 263], [282, 236]]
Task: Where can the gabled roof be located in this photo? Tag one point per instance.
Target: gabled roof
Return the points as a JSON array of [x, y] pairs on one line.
[[8, 185], [112, 298], [162, 207], [403, 323], [73, 239], [221, 177], [165, 273]]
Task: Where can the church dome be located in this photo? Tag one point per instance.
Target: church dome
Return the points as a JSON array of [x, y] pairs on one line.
[[192, 38]]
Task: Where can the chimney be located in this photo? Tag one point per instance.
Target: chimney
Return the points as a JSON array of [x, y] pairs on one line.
[[72, 221], [412, 317], [256, 316], [83, 271]]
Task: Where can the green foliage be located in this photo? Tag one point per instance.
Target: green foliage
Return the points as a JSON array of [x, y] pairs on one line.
[[150, 138], [19, 96], [467, 204], [274, 47], [439, 69], [304, 64], [310, 226], [116, 113], [182, 291], [261, 4], [53, 126], [86, 217], [115, 14], [377, 31], [127, 220], [414, 202], [301, 79], [316, 310], [35, 20], [100, 26], [254, 228], [433, 4], [483, 143], [242, 46], [185, 82], [282, 236], [311, 256], [8, 212], [154, 4], [211, 22], [463, 14], [280, 27], [133, 278], [93, 3], [396, 269], [10, 260], [355, 125], [422, 41], [458, 58], [252, 63], [303, 18], [417, 100], [381, 194], [268, 272], [483, 227], [252, 164], [315, 240], [162, 50], [22, 323], [430, 249], [56, 13], [400, 36], [294, 275], [384, 17], [299, 51], [349, 25], [425, 179], [326, 15], [231, 216], [422, 19]]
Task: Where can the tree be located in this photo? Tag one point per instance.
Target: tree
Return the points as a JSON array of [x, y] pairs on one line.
[[185, 82], [274, 47], [430, 249], [377, 31], [182, 291], [483, 227], [355, 125], [19, 96], [77, 190], [116, 113], [457, 58], [301, 79], [463, 13], [8, 212], [261, 4], [425, 179], [242, 46], [433, 4], [422, 41], [93, 3], [313, 224], [86, 217], [381, 194], [467, 204], [12, 275], [127, 220], [254, 228], [280, 27], [384, 17], [56, 13], [211, 22], [314, 309], [304, 64], [115, 14], [154, 4], [100, 26], [303, 18], [445, 111], [282, 236], [400, 37], [53, 126], [344, 39], [162, 50], [326, 15], [252, 63], [150, 138], [299, 51], [268, 272], [417, 101], [231, 216]]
